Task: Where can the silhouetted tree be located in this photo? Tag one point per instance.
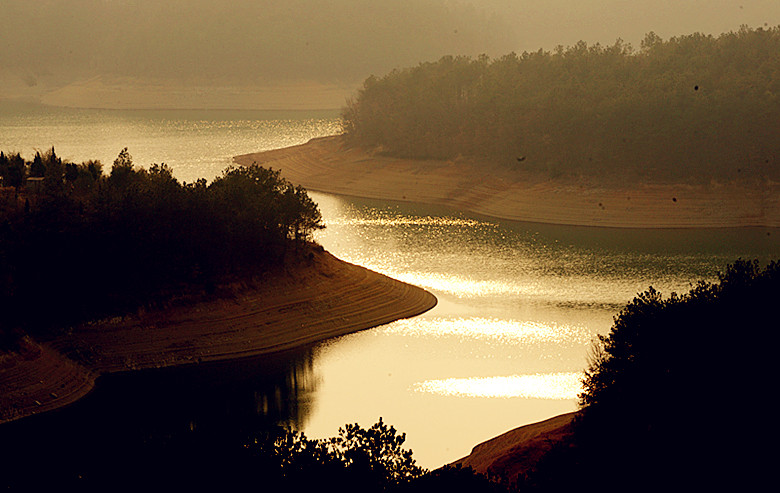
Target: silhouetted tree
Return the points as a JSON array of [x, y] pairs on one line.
[[36, 167], [93, 245], [375, 454], [673, 391], [122, 170], [13, 170], [95, 168], [54, 174]]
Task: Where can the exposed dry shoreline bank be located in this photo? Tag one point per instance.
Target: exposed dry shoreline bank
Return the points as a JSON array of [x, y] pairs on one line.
[[517, 451], [311, 301], [326, 165]]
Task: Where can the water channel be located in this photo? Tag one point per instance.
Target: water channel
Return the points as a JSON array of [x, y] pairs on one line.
[[518, 305]]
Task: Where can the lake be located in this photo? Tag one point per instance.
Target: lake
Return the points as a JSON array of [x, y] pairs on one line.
[[519, 303], [196, 144], [518, 307]]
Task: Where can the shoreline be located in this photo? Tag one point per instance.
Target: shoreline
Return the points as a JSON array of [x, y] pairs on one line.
[[309, 303], [327, 165], [516, 452]]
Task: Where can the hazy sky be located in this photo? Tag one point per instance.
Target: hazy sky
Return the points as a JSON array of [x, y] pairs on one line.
[[547, 23], [263, 41]]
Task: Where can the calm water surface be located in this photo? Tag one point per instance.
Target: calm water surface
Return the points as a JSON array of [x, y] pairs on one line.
[[518, 306], [196, 144], [518, 303]]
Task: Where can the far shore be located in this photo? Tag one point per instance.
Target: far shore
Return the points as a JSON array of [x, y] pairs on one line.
[[328, 165], [314, 300]]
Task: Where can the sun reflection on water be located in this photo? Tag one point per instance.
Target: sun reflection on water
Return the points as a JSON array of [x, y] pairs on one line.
[[583, 292], [465, 287], [500, 331], [379, 218], [552, 386]]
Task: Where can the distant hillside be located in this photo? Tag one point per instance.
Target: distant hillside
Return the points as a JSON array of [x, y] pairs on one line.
[[694, 107]]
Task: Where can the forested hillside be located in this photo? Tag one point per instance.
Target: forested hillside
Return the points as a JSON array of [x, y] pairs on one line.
[[76, 244], [693, 107], [673, 394]]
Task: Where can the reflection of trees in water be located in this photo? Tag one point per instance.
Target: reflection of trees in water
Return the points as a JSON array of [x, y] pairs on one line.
[[234, 398], [287, 400], [163, 413]]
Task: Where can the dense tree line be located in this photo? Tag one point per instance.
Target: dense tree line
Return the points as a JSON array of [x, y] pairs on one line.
[[691, 106], [76, 244], [676, 394]]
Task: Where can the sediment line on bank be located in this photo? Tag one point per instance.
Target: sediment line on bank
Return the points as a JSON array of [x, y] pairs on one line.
[[318, 300], [516, 452], [327, 165]]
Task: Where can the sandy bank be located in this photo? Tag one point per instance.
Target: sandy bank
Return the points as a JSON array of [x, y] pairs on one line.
[[517, 451], [39, 378], [326, 165], [317, 300]]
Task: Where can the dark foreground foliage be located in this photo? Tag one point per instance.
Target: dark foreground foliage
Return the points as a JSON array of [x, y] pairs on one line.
[[692, 107], [356, 460], [76, 244], [677, 395]]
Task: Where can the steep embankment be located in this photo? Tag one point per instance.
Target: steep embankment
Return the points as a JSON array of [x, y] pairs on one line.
[[326, 165], [312, 301], [517, 451]]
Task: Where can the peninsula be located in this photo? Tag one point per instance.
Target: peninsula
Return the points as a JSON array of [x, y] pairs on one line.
[[312, 300], [135, 270]]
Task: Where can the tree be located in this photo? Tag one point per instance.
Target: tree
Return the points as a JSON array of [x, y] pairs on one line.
[[15, 172], [54, 174], [37, 168], [358, 459], [375, 453], [671, 388], [650, 41], [95, 168], [122, 170]]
